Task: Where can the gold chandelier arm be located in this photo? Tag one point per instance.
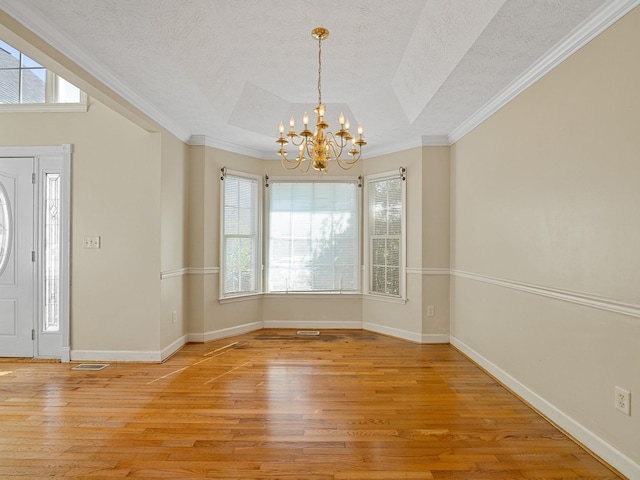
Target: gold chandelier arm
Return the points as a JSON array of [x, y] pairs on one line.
[[288, 164], [292, 138], [337, 143], [286, 167], [345, 164]]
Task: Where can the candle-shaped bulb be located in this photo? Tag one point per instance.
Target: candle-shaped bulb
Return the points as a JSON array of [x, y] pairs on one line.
[[292, 122], [305, 119], [321, 110], [346, 125], [341, 119], [360, 130], [281, 127]]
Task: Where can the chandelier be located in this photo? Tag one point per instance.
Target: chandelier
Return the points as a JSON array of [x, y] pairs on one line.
[[319, 147]]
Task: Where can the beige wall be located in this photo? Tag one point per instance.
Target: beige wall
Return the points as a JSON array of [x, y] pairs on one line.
[[545, 238], [381, 314], [174, 246], [207, 317], [115, 295], [435, 241], [427, 248]]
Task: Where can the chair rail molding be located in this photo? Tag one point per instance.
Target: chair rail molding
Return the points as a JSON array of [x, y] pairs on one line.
[[580, 298]]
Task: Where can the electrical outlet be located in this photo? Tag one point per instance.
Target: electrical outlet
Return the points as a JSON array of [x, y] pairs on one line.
[[174, 316], [430, 310], [91, 242], [623, 401]]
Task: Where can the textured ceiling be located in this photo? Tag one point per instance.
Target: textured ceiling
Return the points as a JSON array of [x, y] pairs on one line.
[[232, 70]]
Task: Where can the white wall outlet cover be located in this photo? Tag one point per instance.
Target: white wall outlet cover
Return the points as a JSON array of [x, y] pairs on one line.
[[623, 400]]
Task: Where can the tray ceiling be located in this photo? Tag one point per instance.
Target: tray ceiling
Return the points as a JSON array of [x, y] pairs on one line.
[[229, 71]]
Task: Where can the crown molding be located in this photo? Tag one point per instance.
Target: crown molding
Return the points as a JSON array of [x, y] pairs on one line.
[[574, 41], [34, 22], [400, 146], [207, 141], [436, 141]]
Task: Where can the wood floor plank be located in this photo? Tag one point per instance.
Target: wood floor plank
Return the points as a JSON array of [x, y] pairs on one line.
[[345, 405]]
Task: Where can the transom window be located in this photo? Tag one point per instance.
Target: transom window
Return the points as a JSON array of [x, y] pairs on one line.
[[23, 81]]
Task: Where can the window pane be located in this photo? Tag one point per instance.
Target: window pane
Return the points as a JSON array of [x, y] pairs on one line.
[[378, 280], [23, 80], [52, 253], [238, 275], [378, 251], [392, 285], [29, 63], [10, 86], [385, 235], [313, 236], [66, 92], [9, 56], [6, 228], [240, 243], [33, 85]]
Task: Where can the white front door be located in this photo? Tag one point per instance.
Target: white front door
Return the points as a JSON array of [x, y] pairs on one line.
[[17, 267]]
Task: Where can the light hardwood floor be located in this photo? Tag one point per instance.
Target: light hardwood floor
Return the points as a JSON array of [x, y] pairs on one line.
[[274, 405]]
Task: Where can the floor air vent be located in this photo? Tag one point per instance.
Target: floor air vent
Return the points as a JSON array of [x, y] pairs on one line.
[[308, 332], [92, 367]]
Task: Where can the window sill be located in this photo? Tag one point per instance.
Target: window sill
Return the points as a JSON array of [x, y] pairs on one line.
[[240, 298], [313, 295], [44, 108], [291, 295], [382, 298]]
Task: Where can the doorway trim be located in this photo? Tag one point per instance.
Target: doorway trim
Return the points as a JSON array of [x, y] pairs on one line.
[[48, 159]]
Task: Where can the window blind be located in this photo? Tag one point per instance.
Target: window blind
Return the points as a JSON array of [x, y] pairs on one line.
[[313, 237], [240, 255], [385, 201]]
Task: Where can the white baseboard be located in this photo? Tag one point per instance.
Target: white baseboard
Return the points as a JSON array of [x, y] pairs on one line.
[[224, 332], [597, 445], [115, 356], [173, 348], [393, 332], [435, 338], [313, 324], [65, 354]]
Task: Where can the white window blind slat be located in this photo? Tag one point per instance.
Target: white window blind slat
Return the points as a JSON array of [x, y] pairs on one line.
[[313, 236]]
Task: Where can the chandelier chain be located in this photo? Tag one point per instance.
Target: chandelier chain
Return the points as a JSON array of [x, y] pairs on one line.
[[319, 71]]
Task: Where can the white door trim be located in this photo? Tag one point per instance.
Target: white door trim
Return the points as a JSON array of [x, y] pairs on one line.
[[48, 159]]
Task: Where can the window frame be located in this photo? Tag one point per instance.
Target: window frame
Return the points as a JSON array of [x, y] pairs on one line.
[[257, 266], [357, 290], [367, 238], [50, 103]]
